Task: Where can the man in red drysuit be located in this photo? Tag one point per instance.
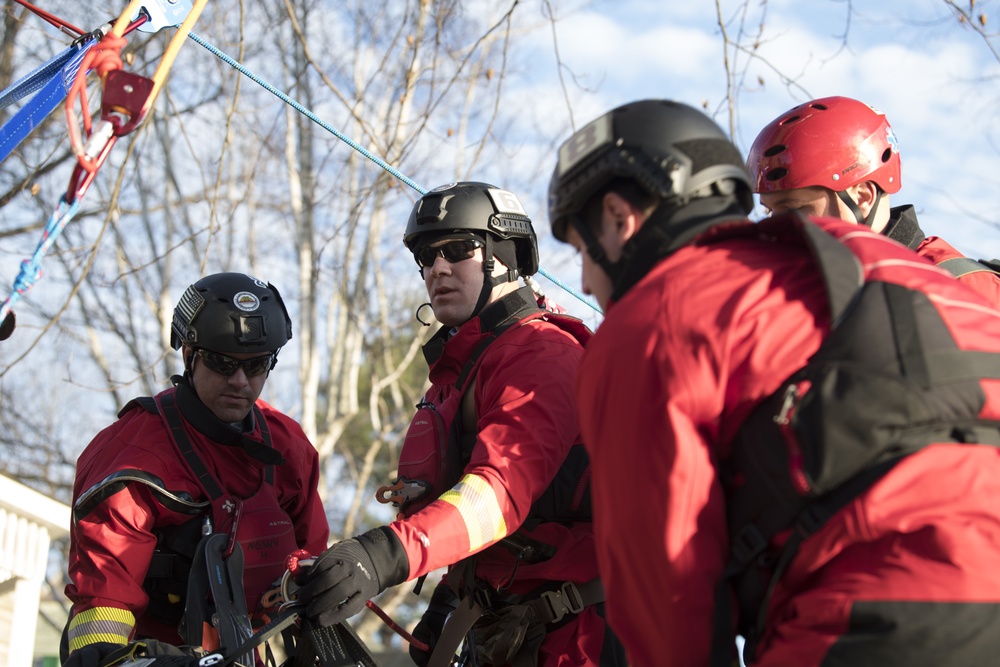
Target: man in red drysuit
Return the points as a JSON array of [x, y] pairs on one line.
[[493, 481], [792, 424], [203, 456], [839, 157]]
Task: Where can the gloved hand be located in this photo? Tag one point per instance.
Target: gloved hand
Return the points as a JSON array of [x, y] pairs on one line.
[[91, 655], [350, 573], [428, 630]]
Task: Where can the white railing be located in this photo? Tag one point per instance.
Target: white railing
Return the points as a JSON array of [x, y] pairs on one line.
[[29, 521]]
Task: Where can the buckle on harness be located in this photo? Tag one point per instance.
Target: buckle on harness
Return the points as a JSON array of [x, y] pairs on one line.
[[565, 600], [747, 545]]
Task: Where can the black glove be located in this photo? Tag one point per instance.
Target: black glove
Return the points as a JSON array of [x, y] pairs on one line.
[[428, 630], [350, 573], [91, 655]]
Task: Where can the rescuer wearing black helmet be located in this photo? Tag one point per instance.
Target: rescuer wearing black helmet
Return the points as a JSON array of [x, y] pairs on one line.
[[785, 417], [204, 453], [492, 479]]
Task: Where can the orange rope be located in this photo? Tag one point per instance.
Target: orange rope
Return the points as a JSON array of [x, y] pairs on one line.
[[104, 57]]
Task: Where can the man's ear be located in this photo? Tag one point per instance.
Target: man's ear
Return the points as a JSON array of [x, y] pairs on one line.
[[620, 218], [865, 196]]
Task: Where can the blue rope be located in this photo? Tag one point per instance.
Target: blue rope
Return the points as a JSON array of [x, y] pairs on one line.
[[306, 112], [239, 67], [31, 269]]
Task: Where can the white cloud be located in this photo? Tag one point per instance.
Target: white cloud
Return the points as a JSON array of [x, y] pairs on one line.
[[910, 59]]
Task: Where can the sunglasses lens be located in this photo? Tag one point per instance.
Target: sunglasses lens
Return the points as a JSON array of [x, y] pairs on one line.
[[459, 250], [425, 257], [258, 366], [454, 251], [219, 363], [224, 365]]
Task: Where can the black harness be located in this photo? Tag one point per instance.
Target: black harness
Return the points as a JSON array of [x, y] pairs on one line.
[[169, 571]]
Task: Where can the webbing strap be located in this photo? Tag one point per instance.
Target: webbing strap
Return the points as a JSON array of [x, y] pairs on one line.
[[906, 333], [265, 434], [807, 523], [963, 266], [168, 408], [513, 309], [334, 646], [167, 403], [456, 627], [569, 598], [933, 367], [842, 272], [58, 75]]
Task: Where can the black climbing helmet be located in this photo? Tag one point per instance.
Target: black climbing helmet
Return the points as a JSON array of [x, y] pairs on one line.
[[231, 313]]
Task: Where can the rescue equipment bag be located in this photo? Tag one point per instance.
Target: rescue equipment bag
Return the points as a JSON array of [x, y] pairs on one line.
[[888, 380]]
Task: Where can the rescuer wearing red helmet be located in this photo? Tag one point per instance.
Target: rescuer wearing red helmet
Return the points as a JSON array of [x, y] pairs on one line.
[[205, 456], [792, 423], [494, 483], [839, 157]]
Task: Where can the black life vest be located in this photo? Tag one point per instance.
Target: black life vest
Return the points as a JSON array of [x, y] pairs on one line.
[[888, 380]]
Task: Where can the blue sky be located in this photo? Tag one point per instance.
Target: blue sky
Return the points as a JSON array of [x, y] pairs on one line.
[[932, 77]]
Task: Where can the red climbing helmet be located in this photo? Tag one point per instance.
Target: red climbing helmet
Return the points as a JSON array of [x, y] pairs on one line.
[[832, 142]]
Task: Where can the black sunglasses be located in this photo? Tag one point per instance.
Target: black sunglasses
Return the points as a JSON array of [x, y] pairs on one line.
[[452, 251], [224, 365]]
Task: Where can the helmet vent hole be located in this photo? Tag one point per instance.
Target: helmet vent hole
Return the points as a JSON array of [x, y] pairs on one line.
[[886, 154], [821, 107], [790, 120], [774, 150], [776, 174]]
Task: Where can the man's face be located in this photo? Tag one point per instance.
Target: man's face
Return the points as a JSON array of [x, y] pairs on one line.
[[811, 201], [231, 397], [454, 286], [593, 279], [619, 222]]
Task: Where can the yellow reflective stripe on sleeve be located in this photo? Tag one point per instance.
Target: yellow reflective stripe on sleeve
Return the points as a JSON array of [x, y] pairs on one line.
[[477, 503], [100, 624]]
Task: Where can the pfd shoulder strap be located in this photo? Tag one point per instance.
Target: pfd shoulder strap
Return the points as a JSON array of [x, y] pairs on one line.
[[963, 266], [167, 404], [147, 403], [842, 271], [168, 409]]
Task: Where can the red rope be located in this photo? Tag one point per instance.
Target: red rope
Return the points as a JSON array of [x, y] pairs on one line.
[[104, 57], [54, 20], [416, 643]]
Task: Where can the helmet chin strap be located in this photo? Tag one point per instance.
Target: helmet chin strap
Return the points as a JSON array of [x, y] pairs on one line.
[[595, 249], [489, 280], [856, 210]]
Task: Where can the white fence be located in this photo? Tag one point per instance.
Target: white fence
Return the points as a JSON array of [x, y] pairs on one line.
[[28, 523]]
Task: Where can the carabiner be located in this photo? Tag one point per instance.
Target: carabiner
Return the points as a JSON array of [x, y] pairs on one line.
[[95, 151], [289, 588]]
